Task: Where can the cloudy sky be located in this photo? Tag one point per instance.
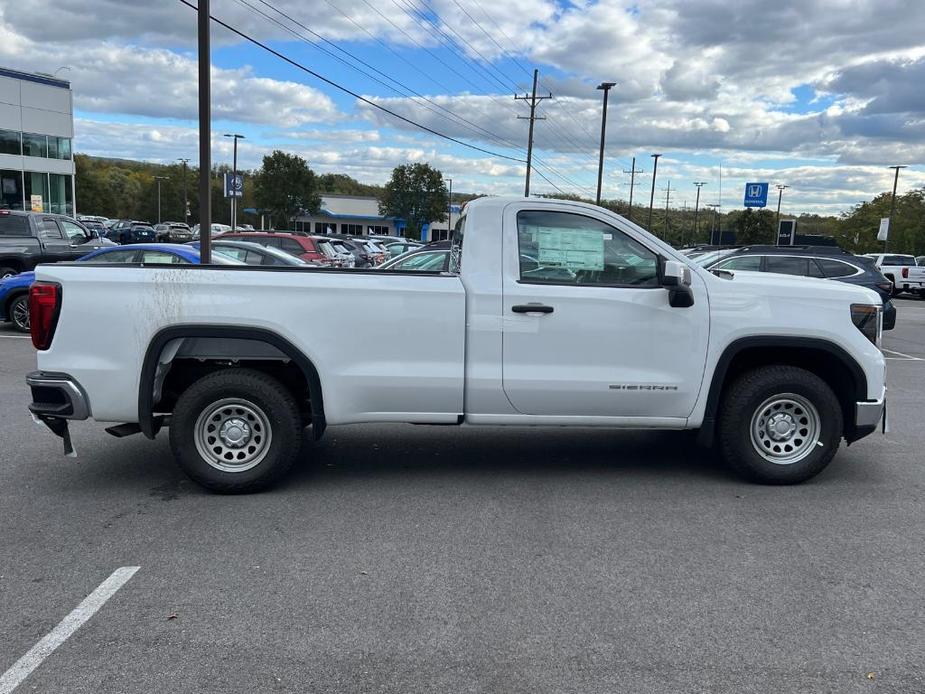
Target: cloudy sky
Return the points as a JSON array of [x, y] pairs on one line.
[[820, 95]]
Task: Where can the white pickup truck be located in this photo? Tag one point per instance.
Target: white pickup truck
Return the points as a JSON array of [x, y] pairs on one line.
[[552, 313], [902, 270]]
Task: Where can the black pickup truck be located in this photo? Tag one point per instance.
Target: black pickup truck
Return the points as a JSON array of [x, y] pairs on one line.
[[30, 238]]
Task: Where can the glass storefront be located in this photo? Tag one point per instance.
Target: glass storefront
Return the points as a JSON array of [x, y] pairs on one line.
[[36, 184], [10, 190], [60, 194]]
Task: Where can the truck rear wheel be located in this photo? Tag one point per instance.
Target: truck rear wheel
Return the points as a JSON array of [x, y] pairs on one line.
[[236, 430], [779, 425]]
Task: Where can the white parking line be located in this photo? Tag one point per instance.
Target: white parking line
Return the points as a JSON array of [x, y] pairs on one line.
[[906, 357], [16, 337], [23, 667]]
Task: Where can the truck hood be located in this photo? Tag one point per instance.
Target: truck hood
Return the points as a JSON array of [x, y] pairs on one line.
[[771, 284]]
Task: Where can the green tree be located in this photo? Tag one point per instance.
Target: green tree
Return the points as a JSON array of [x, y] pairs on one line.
[[417, 194], [285, 186], [754, 227]]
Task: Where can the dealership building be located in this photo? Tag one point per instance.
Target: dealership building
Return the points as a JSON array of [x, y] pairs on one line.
[[36, 130]]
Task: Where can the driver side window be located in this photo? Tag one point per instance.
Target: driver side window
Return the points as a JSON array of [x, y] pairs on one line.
[[566, 248]]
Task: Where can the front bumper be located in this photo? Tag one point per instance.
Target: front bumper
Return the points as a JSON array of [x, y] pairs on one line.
[[57, 395], [868, 415]]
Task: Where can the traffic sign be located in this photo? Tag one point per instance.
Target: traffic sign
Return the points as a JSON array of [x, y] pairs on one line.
[[234, 185], [756, 194]]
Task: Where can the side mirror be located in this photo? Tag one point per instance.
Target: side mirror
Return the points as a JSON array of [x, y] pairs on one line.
[[676, 278]]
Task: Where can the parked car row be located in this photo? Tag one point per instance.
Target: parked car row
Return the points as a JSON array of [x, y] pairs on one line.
[[828, 262], [14, 290]]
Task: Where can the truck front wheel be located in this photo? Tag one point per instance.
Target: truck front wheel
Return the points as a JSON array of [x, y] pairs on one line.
[[236, 430], [779, 425]]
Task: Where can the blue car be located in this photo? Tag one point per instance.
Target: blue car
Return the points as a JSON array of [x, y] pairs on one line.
[[14, 291]]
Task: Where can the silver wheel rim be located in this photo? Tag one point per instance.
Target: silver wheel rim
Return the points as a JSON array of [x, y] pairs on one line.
[[7, 275], [233, 435], [785, 428], [20, 313]]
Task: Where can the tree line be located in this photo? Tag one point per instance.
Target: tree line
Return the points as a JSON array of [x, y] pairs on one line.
[[285, 186]]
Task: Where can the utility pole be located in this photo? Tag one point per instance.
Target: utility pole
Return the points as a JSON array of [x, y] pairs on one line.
[[632, 172], [652, 194], [158, 179], [234, 180], [449, 210], [699, 184], [889, 229], [605, 87], [185, 196], [534, 100], [715, 206], [205, 135], [667, 200], [780, 193]]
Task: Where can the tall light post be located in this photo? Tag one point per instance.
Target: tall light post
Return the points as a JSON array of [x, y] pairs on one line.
[[158, 180], [889, 229], [652, 194], [234, 179], [699, 184], [205, 135], [184, 162], [605, 87], [780, 193]]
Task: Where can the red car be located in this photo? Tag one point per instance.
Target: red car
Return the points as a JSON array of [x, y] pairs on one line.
[[304, 247]]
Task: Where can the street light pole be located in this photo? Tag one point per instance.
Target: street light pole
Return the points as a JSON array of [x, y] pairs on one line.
[[158, 180], [699, 184], [652, 194], [234, 180], [185, 196], [780, 194], [205, 135], [889, 229], [605, 87], [449, 210]]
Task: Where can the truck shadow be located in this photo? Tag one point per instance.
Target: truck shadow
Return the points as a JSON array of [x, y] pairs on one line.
[[420, 451]]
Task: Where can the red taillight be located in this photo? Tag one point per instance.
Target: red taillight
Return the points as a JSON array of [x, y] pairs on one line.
[[905, 273], [44, 305]]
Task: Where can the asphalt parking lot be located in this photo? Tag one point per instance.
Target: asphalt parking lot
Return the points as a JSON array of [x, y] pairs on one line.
[[436, 559]]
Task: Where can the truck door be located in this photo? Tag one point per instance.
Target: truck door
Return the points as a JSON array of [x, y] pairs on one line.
[[56, 246], [587, 329]]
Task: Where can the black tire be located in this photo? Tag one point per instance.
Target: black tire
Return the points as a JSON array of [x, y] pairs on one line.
[[7, 271], [806, 403], [270, 414], [17, 311]]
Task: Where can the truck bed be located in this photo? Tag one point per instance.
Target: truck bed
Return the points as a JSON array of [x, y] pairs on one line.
[[386, 344]]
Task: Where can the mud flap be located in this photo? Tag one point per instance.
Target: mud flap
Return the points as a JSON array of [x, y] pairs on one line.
[[59, 428]]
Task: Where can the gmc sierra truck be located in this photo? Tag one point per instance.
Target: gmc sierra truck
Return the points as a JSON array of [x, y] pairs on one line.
[[552, 313]]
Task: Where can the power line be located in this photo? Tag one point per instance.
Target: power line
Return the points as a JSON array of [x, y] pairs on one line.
[[350, 92], [465, 42], [534, 100], [409, 93]]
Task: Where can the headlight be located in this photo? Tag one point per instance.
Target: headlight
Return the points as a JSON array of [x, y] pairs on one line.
[[868, 318]]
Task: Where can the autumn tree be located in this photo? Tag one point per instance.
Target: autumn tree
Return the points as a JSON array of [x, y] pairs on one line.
[[417, 194], [285, 186]]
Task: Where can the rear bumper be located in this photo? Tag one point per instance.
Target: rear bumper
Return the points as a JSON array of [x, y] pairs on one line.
[[57, 395], [868, 415]]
